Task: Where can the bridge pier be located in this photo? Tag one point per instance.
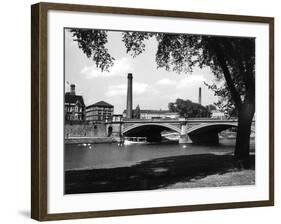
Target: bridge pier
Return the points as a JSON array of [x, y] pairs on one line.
[[184, 138], [116, 131]]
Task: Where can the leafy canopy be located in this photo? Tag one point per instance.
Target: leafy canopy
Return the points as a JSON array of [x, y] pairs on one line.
[[187, 108], [231, 59]]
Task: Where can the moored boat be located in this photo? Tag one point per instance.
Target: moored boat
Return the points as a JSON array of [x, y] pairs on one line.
[[135, 140]]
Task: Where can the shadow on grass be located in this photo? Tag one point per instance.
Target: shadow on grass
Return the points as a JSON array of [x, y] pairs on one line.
[[148, 175]]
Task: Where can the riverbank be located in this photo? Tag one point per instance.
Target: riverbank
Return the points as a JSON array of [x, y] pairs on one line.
[[203, 170], [89, 140]]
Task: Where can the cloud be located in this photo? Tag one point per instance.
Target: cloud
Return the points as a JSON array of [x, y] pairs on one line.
[[121, 90], [166, 82], [69, 38], [116, 90], [183, 83], [140, 88], [66, 87], [190, 80], [121, 67]]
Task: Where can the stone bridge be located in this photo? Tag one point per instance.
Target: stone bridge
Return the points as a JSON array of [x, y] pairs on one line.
[[199, 130]]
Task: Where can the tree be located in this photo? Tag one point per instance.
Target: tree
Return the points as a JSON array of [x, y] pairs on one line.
[[231, 59], [211, 107], [137, 112], [224, 104], [187, 108]]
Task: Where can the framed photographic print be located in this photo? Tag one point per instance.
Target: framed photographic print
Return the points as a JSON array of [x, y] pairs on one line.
[[139, 111]]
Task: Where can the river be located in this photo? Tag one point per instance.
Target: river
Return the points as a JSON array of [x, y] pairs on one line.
[[95, 156]]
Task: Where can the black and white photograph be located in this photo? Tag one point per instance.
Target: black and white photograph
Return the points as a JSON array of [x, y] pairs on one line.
[[157, 111]]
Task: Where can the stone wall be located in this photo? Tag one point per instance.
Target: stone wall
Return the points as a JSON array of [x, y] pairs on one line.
[[85, 130]]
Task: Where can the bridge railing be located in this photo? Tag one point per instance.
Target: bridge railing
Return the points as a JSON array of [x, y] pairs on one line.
[[179, 120]]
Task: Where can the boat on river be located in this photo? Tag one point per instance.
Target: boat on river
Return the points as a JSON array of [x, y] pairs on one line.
[[135, 140]]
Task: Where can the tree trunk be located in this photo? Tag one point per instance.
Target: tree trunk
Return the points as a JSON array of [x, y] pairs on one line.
[[242, 147]]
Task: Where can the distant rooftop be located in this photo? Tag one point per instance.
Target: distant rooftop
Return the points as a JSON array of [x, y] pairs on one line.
[[154, 111], [100, 104]]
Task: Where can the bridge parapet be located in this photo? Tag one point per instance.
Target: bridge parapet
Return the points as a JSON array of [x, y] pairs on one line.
[[179, 121]]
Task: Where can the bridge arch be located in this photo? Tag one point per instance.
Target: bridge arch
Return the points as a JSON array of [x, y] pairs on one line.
[[165, 126], [214, 126], [208, 133]]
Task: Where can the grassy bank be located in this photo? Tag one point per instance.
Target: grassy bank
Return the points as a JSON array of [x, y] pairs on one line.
[[231, 178], [168, 172]]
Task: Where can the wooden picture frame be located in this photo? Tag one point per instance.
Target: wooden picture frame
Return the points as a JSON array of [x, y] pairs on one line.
[[39, 108]]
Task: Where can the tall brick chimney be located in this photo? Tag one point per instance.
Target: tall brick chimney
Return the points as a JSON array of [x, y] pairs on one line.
[[72, 89], [129, 110], [200, 97]]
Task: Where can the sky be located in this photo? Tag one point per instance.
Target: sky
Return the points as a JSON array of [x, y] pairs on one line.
[[152, 88]]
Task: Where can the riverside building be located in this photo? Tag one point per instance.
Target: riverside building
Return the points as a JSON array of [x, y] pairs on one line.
[[99, 112], [74, 106]]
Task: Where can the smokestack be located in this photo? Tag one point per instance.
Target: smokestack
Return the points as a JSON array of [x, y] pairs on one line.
[[200, 98], [72, 89], [129, 111]]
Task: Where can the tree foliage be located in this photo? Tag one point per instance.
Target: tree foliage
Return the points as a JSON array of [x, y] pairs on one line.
[[211, 107], [189, 109], [92, 43]]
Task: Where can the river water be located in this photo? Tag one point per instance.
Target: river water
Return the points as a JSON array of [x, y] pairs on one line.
[[79, 157]]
